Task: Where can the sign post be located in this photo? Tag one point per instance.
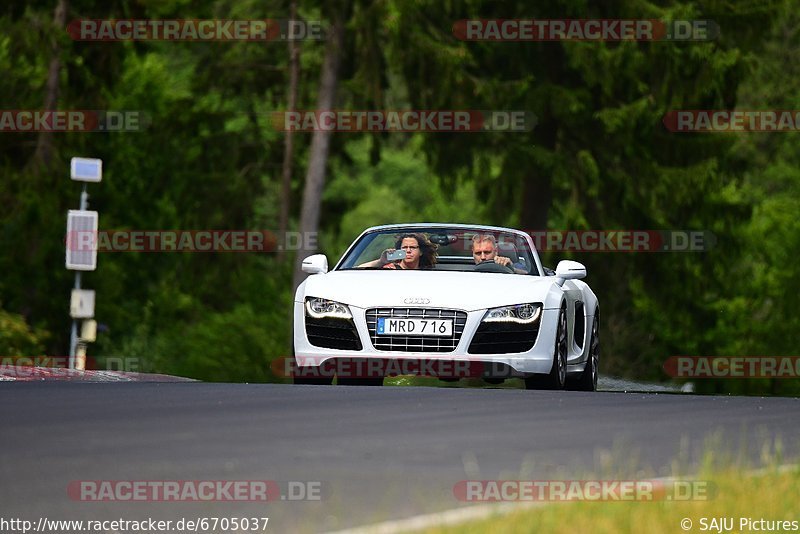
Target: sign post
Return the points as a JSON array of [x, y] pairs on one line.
[[81, 240]]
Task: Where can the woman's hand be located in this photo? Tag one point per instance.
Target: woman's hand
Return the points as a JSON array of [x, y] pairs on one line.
[[384, 259]]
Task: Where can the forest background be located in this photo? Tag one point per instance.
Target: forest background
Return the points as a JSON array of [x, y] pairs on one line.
[[210, 157]]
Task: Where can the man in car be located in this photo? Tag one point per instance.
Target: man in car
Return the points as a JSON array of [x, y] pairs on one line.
[[484, 248]]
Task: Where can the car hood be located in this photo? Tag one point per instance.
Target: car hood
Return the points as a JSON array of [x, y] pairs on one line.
[[461, 290]]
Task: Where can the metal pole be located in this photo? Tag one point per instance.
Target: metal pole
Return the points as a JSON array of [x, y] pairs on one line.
[[73, 336]]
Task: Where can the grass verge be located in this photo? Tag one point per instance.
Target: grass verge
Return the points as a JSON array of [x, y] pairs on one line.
[[741, 498]]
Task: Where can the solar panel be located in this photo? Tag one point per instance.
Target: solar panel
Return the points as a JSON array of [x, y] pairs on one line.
[[86, 169], [82, 240]]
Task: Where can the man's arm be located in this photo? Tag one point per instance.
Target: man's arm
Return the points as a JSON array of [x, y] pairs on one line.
[[506, 262]]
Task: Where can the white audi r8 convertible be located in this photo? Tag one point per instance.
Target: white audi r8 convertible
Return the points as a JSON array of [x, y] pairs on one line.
[[445, 300]]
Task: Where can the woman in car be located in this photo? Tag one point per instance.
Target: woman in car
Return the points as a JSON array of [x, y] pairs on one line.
[[420, 253]]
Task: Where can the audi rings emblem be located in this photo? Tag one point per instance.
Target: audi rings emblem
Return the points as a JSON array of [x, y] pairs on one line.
[[416, 300]]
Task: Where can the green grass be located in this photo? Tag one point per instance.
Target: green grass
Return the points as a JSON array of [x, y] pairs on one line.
[[772, 495]]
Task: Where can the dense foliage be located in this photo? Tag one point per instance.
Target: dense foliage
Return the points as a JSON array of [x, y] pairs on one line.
[[598, 158]]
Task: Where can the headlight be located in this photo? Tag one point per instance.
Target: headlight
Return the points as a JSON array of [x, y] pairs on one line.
[[321, 308], [519, 313]]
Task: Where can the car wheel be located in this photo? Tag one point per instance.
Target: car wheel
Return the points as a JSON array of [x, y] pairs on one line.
[[313, 381], [588, 378], [558, 374], [360, 381], [309, 376]]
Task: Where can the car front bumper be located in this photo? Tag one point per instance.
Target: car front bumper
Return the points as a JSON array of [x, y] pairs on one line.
[[460, 362]]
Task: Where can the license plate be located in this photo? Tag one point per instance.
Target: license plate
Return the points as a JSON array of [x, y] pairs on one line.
[[394, 326]]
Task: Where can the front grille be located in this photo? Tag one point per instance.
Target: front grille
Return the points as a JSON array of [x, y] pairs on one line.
[[332, 333], [502, 338], [416, 343]]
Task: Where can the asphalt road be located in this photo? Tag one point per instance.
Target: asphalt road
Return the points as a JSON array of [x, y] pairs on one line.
[[379, 453]]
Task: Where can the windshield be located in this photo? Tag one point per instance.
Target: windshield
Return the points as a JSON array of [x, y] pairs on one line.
[[442, 249]]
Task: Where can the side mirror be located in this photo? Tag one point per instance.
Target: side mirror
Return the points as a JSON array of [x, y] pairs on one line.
[[569, 270], [316, 264]]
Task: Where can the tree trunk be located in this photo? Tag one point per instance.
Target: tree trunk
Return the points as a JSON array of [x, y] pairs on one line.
[[320, 145], [43, 156], [288, 148], [537, 195], [537, 192], [537, 188]]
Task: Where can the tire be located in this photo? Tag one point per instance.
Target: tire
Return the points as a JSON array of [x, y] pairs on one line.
[[557, 377], [360, 381], [306, 381], [313, 381], [588, 378], [307, 375]]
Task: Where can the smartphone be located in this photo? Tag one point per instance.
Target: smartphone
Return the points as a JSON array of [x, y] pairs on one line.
[[396, 255]]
